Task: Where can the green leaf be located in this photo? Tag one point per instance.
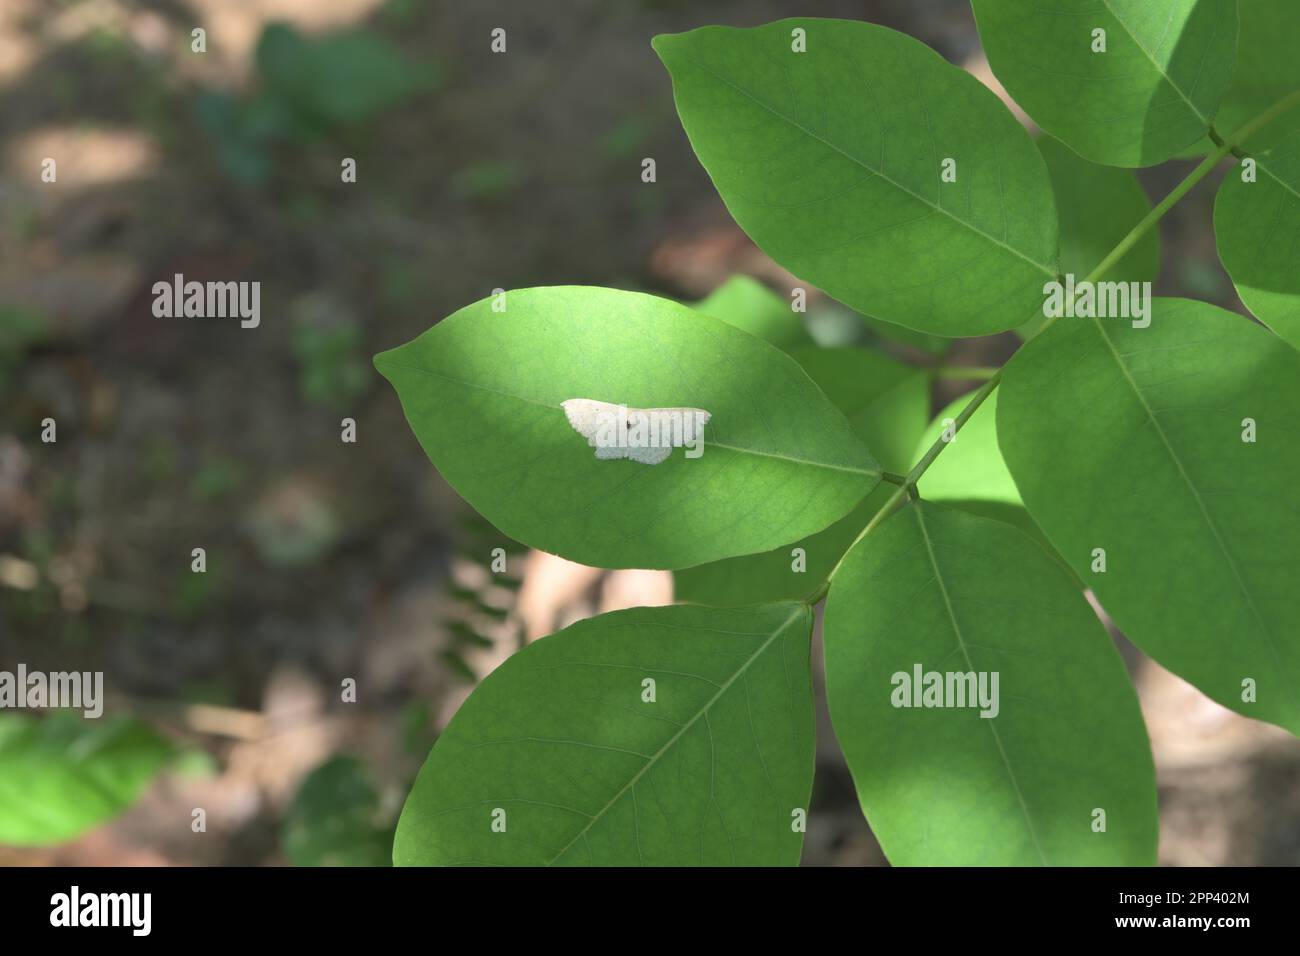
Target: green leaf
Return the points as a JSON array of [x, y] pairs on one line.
[[1257, 227], [332, 820], [483, 392], [1267, 70], [561, 746], [887, 402], [1153, 92], [748, 304], [1131, 440], [831, 161], [61, 775], [952, 592]]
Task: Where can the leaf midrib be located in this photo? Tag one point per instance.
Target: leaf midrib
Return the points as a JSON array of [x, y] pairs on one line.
[[1155, 63], [798, 612], [870, 472], [961, 643], [876, 172]]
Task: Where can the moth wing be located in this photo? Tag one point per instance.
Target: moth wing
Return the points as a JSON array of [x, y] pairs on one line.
[[585, 416], [693, 422], [649, 455]]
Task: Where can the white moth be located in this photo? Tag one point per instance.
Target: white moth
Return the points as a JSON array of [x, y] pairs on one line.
[[645, 435]]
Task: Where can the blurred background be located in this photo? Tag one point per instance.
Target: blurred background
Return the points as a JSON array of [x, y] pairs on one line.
[[330, 561]]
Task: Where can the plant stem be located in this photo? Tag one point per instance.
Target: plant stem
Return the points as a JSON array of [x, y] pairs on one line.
[[908, 484], [913, 476], [878, 517], [1218, 140], [1250, 128], [1157, 213], [962, 418]]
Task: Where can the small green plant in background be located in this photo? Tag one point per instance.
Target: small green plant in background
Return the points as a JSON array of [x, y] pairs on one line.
[[486, 181], [336, 819], [217, 478], [19, 330], [331, 369], [307, 88], [982, 708]]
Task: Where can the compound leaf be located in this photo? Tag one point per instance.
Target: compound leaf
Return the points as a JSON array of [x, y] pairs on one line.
[[655, 736], [1151, 92], [953, 593], [833, 160], [483, 391], [1172, 449]]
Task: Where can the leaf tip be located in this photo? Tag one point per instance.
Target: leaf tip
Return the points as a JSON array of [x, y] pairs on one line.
[[384, 362], [663, 44]]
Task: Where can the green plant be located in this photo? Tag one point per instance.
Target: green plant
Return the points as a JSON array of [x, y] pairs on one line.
[[62, 775], [332, 370], [336, 819], [19, 330], [308, 88], [1149, 455]]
